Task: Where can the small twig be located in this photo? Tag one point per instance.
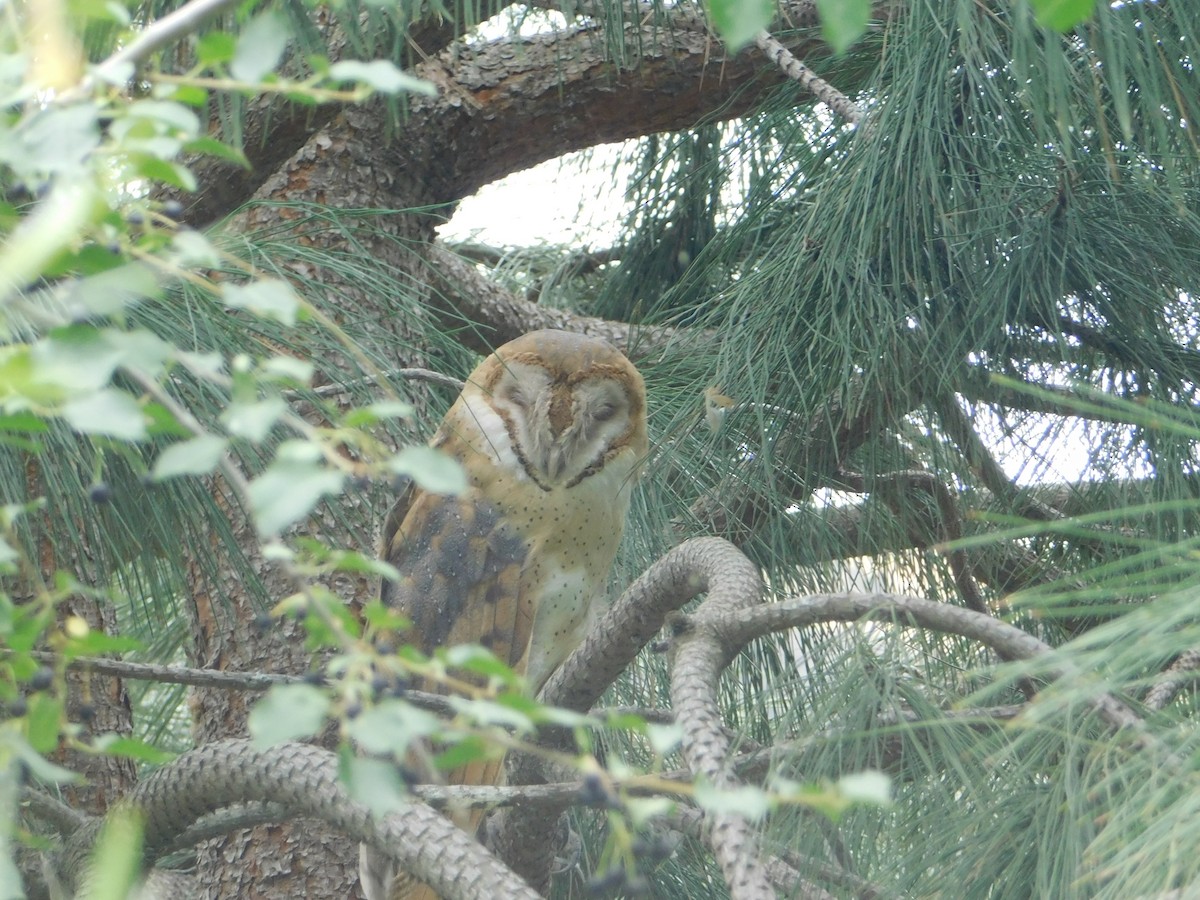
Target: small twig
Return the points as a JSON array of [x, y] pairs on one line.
[[213, 678], [428, 375], [42, 806], [161, 33], [808, 79]]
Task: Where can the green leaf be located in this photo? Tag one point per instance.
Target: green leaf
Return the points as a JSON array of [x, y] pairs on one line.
[[109, 412], [870, 786], [112, 291], [288, 491], [169, 173], [199, 456], [664, 738], [76, 358], [25, 422], [287, 370], [220, 150], [131, 748], [738, 21], [140, 349], [96, 642], [480, 660], [268, 297], [843, 21], [1062, 15], [375, 783], [287, 712], [377, 412], [465, 750], [42, 722], [486, 712], [9, 557], [215, 48], [380, 75], [253, 421], [55, 139], [432, 470], [39, 767], [117, 857], [749, 802], [388, 728], [173, 117], [192, 249], [259, 48]]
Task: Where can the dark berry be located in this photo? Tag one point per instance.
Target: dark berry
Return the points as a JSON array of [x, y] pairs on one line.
[[262, 623], [100, 492], [172, 209], [42, 678], [135, 219], [655, 849], [354, 710], [385, 648], [18, 707], [379, 686], [114, 248], [605, 882], [86, 713], [637, 886], [593, 792]]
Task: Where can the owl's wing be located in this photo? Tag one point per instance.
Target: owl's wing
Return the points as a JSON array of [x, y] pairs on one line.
[[460, 573]]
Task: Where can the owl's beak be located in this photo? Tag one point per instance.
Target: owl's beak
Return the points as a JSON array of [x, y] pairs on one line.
[[556, 461]]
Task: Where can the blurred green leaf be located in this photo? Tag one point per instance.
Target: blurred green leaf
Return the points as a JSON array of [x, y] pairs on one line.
[[253, 421], [432, 470], [215, 48], [381, 75], [1062, 15], [287, 712], [267, 297], [738, 21], [375, 783], [42, 721], [389, 727], [289, 491], [260, 47], [108, 412], [117, 857], [131, 748], [199, 456], [843, 21]]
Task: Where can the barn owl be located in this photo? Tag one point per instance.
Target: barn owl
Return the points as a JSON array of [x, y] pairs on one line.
[[550, 430]]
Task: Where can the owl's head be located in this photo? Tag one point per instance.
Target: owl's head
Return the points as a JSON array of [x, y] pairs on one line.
[[570, 404]]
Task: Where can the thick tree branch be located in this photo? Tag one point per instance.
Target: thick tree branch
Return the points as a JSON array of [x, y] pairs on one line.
[[462, 293], [739, 629], [302, 780], [699, 655], [526, 841]]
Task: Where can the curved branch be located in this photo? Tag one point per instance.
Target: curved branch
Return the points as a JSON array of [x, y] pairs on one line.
[[738, 630], [699, 655], [525, 840], [303, 781]]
